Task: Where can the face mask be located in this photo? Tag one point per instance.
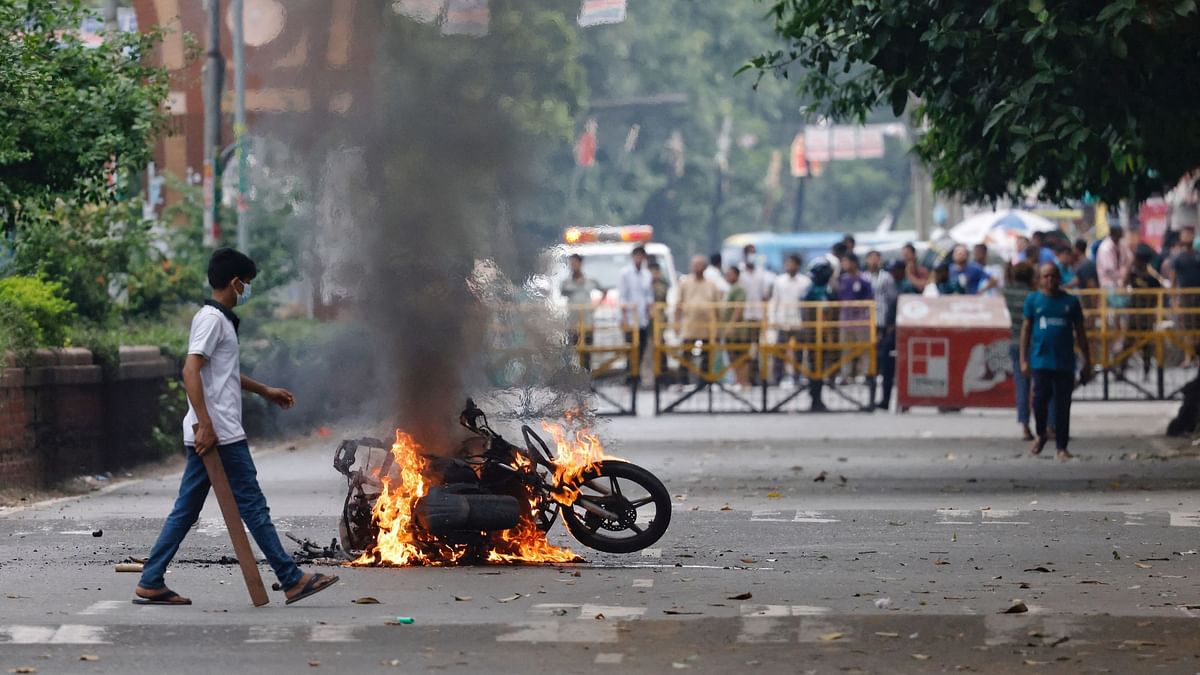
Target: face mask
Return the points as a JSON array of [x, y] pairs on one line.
[[244, 296]]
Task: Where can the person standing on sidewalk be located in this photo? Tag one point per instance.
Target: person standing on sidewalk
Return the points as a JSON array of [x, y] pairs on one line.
[[214, 384], [1015, 294], [888, 289], [1053, 327]]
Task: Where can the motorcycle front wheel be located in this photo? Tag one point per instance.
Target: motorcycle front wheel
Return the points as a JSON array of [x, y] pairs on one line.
[[621, 508]]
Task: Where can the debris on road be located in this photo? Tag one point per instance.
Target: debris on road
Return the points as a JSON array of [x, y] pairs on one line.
[[89, 657], [821, 477], [462, 598], [1017, 607], [129, 567], [1040, 568], [401, 621], [883, 603], [514, 596], [366, 600], [742, 596], [830, 637], [97, 533]]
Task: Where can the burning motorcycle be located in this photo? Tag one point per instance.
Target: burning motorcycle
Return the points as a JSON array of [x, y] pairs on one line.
[[493, 501]]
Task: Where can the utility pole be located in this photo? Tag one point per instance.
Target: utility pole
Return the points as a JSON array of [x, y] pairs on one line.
[[239, 123], [214, 77], [110, 15]]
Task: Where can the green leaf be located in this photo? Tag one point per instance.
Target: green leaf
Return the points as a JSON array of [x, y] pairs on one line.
[[1118, 47]]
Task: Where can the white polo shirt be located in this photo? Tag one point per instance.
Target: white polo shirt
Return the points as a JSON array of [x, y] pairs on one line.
[[214, 337]]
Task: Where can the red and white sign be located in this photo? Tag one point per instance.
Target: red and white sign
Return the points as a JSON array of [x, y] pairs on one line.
[[953, 352], [1153, 217]]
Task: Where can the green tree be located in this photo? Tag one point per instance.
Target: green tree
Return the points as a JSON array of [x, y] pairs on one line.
[[69, 110], [1088, 96]]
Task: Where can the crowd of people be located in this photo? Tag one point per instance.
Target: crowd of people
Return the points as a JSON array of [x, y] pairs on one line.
[[729, 305]]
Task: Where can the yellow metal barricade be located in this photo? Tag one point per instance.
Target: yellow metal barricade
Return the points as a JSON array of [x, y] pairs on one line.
[[605, 339]]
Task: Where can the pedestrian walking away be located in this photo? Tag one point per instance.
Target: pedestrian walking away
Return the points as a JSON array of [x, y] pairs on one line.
[[1053, 327], [789, 290], [696, 315], [213, 381]]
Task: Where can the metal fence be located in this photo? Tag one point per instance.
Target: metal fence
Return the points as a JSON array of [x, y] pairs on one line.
[[798, 357]]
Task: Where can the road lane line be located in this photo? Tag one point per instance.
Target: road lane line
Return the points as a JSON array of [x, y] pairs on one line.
[[609, 658], [333, 633], [103, 607], [562, 631], [1184, 519], [260, 634], [643, 583], [768, 517], [813, 517], [27, 635], [610, 612], [78, 634]]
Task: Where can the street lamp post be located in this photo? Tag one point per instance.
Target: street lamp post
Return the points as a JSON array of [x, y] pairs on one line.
[[214, 76]]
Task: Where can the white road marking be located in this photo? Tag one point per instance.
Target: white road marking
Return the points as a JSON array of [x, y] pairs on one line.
[[758, 611], [816, 631], [76, 531], [103, 607], [767, 517], [609, 658], [27, 635], [211, 527], [562, 631], [643, 583], [1134, 519], [955, 513], [759, 630], [1184, 519], [652, 553], [610, 612], [813, 517], [810, 610], [333, 633], [549, 608], [66, 634], [79, 634], [270, 634]]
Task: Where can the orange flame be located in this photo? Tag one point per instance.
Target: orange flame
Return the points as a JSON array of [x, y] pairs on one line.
[[401, 542]]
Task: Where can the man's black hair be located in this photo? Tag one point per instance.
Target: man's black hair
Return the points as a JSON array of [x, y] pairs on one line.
[[747, 248], [575, 256], [715, 260], [1081, 245], [735, 270], [852, 258], [1038, 236], [227, 264], [839, 250], [795, 257], [849, 240], [653, 265], [910, 246], [639, 250]]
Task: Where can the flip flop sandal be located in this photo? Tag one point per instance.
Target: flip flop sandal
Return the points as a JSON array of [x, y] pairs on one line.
[[164, 598], [313, 587]]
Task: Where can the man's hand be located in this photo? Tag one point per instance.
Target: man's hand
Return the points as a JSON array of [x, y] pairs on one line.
[[1085, 374], [280, 397], [206, 437], [1025, 369]]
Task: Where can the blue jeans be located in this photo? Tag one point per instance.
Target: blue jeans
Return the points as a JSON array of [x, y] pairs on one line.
[[1024, 389], [252, 505]]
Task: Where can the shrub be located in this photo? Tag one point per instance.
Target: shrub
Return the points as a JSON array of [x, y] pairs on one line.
[[33, 313]]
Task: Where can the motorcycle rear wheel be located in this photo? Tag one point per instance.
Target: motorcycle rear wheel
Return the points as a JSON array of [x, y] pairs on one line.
[[630, 490]]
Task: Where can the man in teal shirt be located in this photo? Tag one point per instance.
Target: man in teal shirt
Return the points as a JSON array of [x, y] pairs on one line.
[[1053, 328]]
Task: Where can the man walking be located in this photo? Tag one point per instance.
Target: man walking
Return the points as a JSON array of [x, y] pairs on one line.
[[853, 285], [214, 384], [888, 290], [757, 282], [1053, 327]]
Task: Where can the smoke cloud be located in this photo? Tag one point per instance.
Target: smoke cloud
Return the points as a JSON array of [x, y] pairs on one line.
[[415, 194]]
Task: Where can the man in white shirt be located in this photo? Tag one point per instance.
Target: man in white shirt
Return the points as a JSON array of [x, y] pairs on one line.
[[787, 293], [213, 380], [637, 297], [757, 281], [715, 273]]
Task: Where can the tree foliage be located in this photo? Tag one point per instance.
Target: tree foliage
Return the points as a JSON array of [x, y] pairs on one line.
[[68, 109], [1087, 95]]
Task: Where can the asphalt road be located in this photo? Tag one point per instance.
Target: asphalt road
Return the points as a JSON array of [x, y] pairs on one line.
[[904, 566]]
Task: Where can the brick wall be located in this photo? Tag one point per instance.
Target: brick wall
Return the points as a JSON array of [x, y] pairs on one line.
[[63, 415]]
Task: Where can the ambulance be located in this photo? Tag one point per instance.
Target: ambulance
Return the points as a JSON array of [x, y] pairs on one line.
[[606, 252]]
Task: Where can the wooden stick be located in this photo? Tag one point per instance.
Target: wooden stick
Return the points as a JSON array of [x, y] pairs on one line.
[[233, 523]]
